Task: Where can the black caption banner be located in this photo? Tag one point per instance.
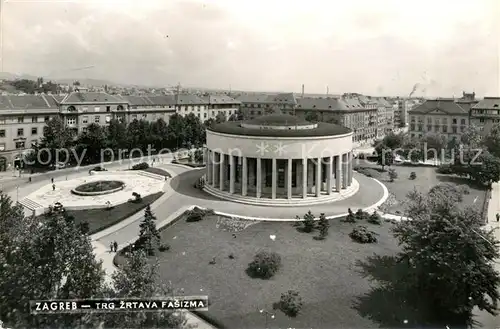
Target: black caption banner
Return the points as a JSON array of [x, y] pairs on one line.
[[193, 303]]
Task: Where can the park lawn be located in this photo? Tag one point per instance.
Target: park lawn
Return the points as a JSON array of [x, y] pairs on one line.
[[158, 171], [100, 219], [326, 273], [427, 177]]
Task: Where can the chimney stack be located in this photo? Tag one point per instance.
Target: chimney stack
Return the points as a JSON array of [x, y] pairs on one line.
[[302, 90]]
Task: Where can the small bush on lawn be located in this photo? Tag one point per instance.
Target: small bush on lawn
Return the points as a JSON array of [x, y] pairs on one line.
[[361, 235], [393, 174], [350, 218], [264, 265], [361, 215], [448, 190], [290, 303], [324, 225], [375, 218], [140, 166], [164, 247], [444, 169], [137, 197], [308, 222], [197, 214], [413, 175], [464, 189]]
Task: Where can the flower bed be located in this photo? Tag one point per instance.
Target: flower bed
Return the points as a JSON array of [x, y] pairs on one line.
[[99, 187]]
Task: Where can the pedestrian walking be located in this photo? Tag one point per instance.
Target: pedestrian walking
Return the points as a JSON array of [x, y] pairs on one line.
[[115, 245], [498, 217], [111, 247], [53, 187], [52, 180]]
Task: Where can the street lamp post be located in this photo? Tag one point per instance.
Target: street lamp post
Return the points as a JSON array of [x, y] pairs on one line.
[[267, 316], [17, 193]]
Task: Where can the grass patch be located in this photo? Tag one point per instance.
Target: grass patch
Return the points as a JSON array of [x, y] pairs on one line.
[[189, 163], [158, 171], [100, 219], [323, 272]]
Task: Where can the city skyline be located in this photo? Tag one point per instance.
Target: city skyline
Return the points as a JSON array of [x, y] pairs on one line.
[[377, 48]]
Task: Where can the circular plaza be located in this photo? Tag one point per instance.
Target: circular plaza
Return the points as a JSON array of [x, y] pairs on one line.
[[279, 160]]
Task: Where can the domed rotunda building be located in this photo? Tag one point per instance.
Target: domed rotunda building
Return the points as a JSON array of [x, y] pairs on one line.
[[279, 160]]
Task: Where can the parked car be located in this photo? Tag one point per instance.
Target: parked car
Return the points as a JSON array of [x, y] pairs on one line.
[[99, 168]]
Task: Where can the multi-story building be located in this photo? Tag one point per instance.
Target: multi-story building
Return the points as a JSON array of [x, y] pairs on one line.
[[22, 119], [400, 114], [444, 116], [253, 105], [485, 113]]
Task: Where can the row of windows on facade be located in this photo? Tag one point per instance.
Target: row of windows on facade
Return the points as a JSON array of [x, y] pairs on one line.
[[437, 121], [437, 129], [20, 132], [34, 119]]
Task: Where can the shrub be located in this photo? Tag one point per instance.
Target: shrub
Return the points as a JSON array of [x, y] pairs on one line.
[[308, 222], [290, 303], [264, 265], [164, 247], [324, 225], [447, 190], [361, 215], [413, 175], [444, 169], [350, 218], [361, 235], [375, 218], [393, 174], [197, 214], [137, 197], [140, 166], [464, 189]]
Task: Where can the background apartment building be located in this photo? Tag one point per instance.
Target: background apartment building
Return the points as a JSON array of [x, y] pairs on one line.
[[447, 117], [23, 117], [485, 113]]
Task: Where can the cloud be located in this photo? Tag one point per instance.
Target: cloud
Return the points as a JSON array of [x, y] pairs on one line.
[[262, 45]]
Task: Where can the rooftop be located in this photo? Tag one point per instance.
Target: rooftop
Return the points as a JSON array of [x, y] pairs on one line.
[[445, 105], [91, 97], [320, 129], [492, 103]]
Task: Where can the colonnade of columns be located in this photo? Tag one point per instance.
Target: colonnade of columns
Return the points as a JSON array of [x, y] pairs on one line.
[[278, 178]]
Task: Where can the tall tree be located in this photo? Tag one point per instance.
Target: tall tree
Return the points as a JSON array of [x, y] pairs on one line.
[[177, 135], [220, 117], [56, 136], [195, 131], [139, 134], [449, 259], [92, 142], [159, 131], [385, 157], [49, 258], [149, 237], [492, 140], [138, 279], [116, 135]]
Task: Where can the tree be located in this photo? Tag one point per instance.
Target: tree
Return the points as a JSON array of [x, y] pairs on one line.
[[149, 237], [385, 157], [482, 167], [176, 136], [48, 258], [139, 135], [323, 224], [312, 117], [92, 142], [434, 144], [195, 132], [116, 135], [449, 260], [393, 174], [237, 116], [56, 136], [492, 140], [308, 222], [471, 137], [220, 117], [159, 131], [138, 279], [391, 141]]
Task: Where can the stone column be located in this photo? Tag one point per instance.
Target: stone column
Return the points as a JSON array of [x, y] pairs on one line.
[[329, 171], [338, 173], [244, 175], [289, 182], [251, 172], [304, 178], [232, 165], [259, 178], [349, 182], [310, 175], [214, 169], [208, 158], [318, 177], [273, 195], [344, 170], [222, 162]]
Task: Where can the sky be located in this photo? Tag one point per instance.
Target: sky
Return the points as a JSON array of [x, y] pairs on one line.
[[374, 47]]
